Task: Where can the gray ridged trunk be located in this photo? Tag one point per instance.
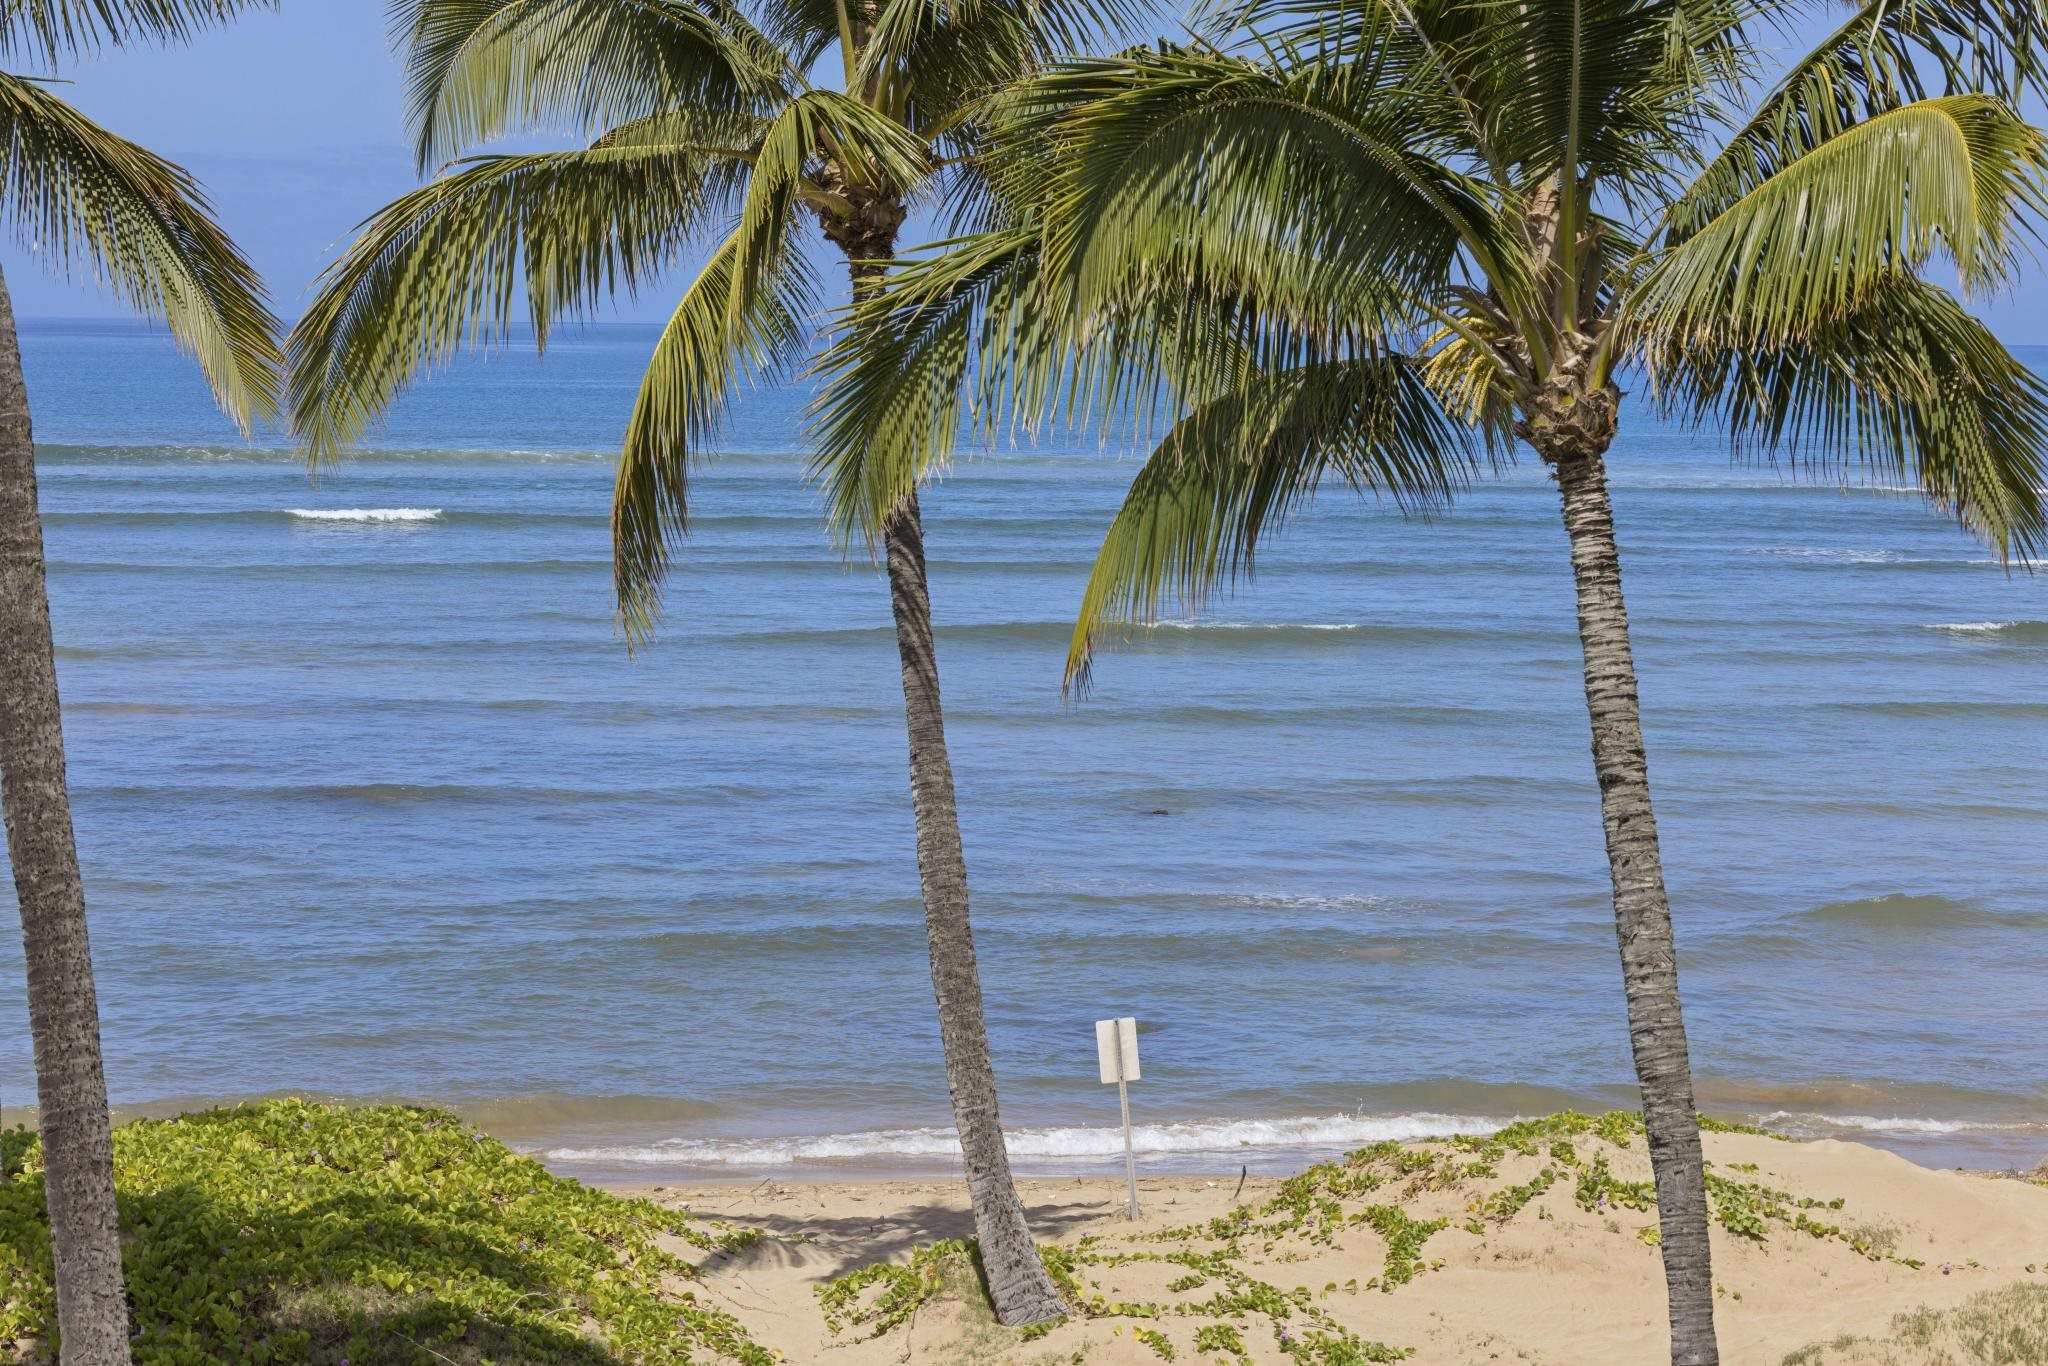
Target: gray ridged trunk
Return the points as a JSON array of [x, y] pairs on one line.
[[64, 1021], [1018, 1285], [1642, 911]]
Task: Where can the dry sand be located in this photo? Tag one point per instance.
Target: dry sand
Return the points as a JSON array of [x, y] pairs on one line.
[[1550, 1282]]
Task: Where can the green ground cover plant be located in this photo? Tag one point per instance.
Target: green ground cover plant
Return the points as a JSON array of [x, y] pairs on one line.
[[1396, 1194], [288, 1231]]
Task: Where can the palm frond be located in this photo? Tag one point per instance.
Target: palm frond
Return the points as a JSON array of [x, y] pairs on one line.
[[1960, 175], [86, 202], [42, 33], [1234, 469], [1905, 387], [704, 352], [815, 127], [1613, 90], [926, 61], [448, 266], [482, 69], [901, 374], [1198, 163], [1887, 53], [714, 131]]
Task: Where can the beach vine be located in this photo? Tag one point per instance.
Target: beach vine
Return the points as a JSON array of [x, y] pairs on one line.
[[290, 1231], [1379, 1189]]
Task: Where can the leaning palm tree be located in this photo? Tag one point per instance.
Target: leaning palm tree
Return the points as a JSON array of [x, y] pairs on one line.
[[90, 203], [1381, 241], [707, 131]]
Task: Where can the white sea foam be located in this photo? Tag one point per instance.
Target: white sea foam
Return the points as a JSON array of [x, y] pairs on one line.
[[2004, 632], [1841, 556], [1887, 1124], [1077, 1142], [366, 514], [1256, 625]]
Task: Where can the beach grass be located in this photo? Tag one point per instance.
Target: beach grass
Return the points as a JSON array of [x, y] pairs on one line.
[[2003, 1327], [291, 1231]]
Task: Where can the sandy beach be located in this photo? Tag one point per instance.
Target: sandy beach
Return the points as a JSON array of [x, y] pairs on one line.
[[1832, 1278]]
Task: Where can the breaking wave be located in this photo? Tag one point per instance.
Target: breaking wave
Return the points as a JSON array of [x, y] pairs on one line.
[[1072, 1143], [366, 514], [2027, 632]]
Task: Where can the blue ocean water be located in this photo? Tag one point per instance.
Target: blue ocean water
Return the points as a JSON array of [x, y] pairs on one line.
[[373, 803]]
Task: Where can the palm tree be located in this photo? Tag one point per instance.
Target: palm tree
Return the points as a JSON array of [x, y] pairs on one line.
[[89, 202], [705, 128], [1380, 241]]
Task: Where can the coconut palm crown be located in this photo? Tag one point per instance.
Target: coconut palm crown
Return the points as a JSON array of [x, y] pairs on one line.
[[724, 134], [1382, 242]]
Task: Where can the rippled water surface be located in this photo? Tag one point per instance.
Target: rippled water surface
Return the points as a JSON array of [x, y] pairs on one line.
[[373, 803]]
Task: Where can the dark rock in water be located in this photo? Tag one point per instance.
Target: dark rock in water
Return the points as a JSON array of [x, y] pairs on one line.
[[1159, 811]]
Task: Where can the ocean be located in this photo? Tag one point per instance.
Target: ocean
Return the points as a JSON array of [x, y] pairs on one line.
[[373, 803]]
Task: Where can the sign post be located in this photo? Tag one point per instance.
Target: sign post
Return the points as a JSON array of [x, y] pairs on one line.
[[1116, 1057]]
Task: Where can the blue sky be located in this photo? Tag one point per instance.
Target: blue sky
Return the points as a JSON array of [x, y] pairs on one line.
[[294, 123]]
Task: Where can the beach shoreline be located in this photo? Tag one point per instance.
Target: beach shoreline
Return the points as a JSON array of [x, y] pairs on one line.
[[644, 1142]]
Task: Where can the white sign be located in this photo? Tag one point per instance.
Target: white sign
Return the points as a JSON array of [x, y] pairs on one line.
[[1116, 1057], [1109, 1034]]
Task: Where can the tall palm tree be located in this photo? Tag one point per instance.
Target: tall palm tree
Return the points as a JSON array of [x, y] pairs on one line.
[[1380, 241], [707, 130], [92, 203]]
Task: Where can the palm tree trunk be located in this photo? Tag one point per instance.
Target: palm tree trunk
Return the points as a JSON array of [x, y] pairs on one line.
[[1642, 912], [71, 1088], [1017, 1281], [1018, 1285]]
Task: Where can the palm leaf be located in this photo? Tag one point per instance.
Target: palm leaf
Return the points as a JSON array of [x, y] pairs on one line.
[[1198, 164], [1887, 53], [44, 32], [481, 69], [1235, 469], [447, 266], [901, 374], [87, 202], [926, 61], [1958, 174], [818, 126], [704, 352], [1906, 387]]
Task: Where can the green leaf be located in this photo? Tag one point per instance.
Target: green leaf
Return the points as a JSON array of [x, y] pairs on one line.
[[85, 202], [1236, 467]]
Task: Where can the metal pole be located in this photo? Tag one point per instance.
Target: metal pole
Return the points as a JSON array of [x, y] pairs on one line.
[[1123, 1100]]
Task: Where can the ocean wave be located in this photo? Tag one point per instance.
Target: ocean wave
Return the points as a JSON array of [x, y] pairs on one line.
[[1805, 1124], [1256, 626], [365, 514], [1279, 633], [1070, 1143], [2026, 632], [1900, 911], [1843, 555], [1838, 556]]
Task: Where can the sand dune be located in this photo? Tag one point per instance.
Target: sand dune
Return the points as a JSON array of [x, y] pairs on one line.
[[1851, 1256]]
